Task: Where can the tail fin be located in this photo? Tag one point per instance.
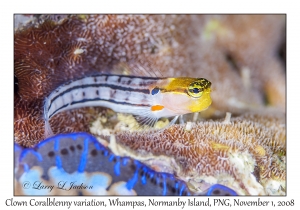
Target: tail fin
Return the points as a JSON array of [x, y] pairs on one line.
[[48, 130]]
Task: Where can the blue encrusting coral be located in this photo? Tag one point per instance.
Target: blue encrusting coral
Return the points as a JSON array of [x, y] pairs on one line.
[[78, 164]]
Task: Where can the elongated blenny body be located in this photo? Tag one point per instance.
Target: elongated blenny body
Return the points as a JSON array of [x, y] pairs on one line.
[[148, 97]]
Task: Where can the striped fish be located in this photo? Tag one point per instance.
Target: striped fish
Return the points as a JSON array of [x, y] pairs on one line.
[[149, 97]]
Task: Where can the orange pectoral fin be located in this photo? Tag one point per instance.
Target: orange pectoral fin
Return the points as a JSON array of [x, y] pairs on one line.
[[157, 107]]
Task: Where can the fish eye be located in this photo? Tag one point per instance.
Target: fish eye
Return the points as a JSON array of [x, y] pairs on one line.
[[155, 91], [195, 90]]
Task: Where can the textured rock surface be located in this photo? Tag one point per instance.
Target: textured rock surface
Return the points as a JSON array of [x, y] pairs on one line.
[[251, 149]]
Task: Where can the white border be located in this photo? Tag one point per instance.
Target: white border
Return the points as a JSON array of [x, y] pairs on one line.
[[153, 6]]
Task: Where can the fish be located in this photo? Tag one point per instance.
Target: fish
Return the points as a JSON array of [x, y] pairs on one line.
[[78, 164], [151, 98]]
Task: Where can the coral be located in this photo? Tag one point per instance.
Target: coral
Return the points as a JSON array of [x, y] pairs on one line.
[[29, 122], [243, 50], [52, 50], [260, 55], [249, 144]]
